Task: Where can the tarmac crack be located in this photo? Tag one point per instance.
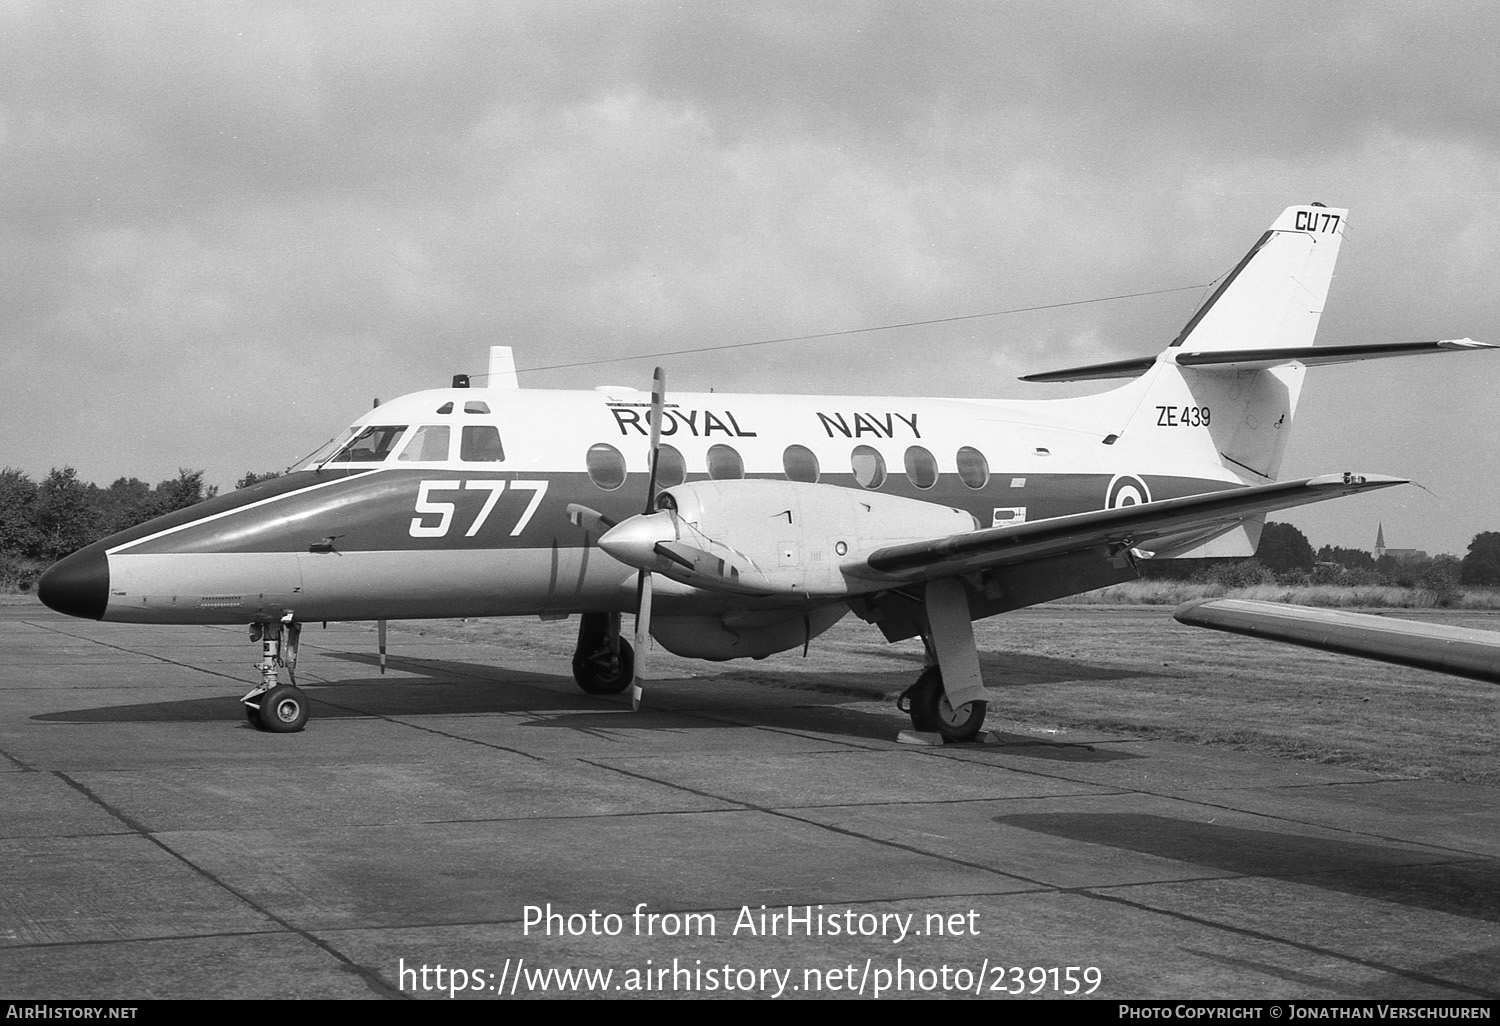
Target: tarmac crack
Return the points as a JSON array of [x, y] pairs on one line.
[[843, 831], [1223, 807], [1313, 949], [369, 977], [137, 652]]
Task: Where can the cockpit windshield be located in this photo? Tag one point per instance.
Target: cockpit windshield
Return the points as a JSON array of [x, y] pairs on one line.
[[371, 445], [320, 455]]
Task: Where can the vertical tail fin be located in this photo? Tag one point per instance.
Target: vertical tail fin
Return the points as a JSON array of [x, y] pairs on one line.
[[1272, 300], [1274, 296]]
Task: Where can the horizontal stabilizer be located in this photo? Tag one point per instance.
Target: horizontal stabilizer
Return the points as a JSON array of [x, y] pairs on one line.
[[1319, 356], [1261, 359], [1097, 371], [1461, 651]]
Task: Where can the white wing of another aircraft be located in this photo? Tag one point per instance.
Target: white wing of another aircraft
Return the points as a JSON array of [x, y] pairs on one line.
[[1461, 651]]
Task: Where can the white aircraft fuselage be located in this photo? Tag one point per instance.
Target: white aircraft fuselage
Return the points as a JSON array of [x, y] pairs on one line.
[[771, 516], [464, 533]]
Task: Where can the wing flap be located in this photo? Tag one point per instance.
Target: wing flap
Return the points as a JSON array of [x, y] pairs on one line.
[[1118, 529]]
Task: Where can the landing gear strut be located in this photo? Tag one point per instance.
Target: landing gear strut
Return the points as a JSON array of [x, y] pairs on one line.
[[273, 706], [603, 662], [953, 707]]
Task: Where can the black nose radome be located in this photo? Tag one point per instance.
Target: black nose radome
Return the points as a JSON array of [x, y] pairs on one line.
[[78, 584]]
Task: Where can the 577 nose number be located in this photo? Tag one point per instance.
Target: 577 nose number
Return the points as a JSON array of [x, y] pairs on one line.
[[427, 507]]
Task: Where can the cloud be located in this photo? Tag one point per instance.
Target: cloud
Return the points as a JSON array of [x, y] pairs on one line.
[[230, 226]]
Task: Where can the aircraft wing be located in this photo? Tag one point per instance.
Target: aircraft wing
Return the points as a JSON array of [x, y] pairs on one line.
[[1114, 530], [1461, 651]]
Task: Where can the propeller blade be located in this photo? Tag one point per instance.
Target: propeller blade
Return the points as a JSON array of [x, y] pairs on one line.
[[658, 406], [643, 581], [642, 635], [589, 519], [380, 634]]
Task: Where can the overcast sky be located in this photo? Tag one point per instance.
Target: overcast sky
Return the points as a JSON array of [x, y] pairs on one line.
[[226, 227]]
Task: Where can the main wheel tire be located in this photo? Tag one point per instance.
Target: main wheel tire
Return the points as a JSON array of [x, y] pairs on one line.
[[598, 674], [932, 712], [283, 709]]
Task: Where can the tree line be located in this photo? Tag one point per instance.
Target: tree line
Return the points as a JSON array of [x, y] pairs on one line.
[[1285, 556], [42, 521]]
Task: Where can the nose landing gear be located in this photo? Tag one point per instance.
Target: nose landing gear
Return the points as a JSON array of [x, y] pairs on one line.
[[273, 706]]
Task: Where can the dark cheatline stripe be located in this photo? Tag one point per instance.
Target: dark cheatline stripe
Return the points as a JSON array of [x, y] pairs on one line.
[[232, 500]]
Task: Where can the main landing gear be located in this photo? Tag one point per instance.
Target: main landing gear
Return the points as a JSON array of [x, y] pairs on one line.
[[603, 662], [948, 699], [273, 706], [931, 711]]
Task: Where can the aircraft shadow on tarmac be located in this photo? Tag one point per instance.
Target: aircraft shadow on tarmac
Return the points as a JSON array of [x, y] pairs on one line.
[[1018, 669], [432, 687], [1008, 669], [809, 701], [1436, 881]]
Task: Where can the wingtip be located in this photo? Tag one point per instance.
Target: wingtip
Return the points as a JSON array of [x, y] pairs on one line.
[[1184, 613], [1350, 479]]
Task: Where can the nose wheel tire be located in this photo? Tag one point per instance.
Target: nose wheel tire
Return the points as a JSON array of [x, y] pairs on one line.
[[599, 674], [931, 711], [281, 710]]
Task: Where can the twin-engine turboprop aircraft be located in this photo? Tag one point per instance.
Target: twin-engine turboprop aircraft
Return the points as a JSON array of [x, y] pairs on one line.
[[744, 525]]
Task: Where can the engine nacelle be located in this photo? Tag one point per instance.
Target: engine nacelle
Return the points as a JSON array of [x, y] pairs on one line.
[[740, 635], [782, 538]]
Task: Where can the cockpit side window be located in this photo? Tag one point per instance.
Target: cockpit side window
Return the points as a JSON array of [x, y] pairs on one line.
[[372, 445], [429, 444], [480, 443]]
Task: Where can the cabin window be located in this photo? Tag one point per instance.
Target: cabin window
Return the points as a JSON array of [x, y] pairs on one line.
[[921, 467], [973, 468], [671, 468], [868, 466], [480, 443], [724, 463], [429, 444], [606, 466], [445, 408], [475, 406], [800, 464], [371, 445]]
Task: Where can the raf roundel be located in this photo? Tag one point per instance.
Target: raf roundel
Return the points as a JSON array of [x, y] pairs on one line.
[[1126, 490]]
